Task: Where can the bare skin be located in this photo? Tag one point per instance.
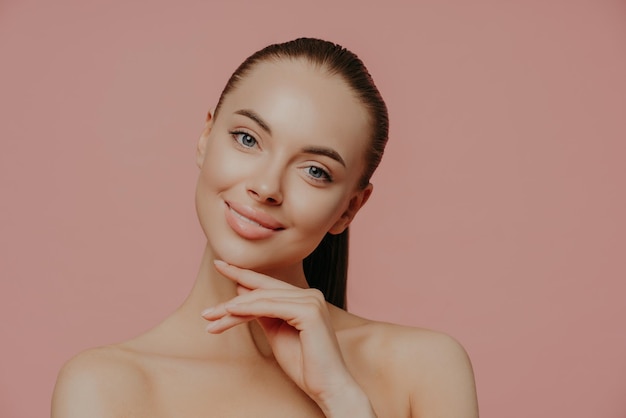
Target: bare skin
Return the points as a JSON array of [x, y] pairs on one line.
[[268, 346], [178, 369]]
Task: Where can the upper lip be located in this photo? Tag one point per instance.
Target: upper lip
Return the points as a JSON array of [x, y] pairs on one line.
[[255, 215]]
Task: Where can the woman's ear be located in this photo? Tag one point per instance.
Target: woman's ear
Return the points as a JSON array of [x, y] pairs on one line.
[[356, 203], [204, 137]]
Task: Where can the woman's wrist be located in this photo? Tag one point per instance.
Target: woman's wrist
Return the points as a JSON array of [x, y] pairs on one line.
[[351, 402]]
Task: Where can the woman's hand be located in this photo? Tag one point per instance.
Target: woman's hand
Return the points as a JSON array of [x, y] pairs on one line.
[[297, 325]]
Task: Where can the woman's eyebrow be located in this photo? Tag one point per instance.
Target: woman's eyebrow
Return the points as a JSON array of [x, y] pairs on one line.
[[256, 118], [328, 152]]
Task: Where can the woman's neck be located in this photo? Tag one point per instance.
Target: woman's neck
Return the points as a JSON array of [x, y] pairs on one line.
[[182, 333]]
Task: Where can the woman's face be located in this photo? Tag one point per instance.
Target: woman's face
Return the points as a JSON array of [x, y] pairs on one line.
[[280, 165]]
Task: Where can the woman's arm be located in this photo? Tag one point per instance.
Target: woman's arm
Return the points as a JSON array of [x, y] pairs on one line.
[[297, 325], [439, 374]]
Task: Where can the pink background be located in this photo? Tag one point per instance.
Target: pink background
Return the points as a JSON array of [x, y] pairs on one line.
[[497, 216]]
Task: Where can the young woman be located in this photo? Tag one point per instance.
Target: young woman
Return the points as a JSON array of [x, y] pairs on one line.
[[285, 161]]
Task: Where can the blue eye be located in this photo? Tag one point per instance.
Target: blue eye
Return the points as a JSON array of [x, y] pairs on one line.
[[244, 139], [318, 174]]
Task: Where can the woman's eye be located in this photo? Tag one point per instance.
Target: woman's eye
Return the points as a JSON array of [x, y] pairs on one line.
[[244, 139], [318, 174]]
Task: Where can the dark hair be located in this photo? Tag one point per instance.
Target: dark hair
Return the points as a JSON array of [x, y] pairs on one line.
[[326, 268]]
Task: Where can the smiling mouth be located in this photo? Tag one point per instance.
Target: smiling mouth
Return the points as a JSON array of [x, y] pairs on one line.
[[252, 222]]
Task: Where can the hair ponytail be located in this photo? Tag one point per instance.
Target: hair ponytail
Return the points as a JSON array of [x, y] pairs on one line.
[[326, 268]]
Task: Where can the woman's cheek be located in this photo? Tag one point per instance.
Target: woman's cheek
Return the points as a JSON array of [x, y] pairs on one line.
[[222, 172], [318, 209]]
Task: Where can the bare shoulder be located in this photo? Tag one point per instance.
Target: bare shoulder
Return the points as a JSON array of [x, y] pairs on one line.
[[432, 368], [97, 382]]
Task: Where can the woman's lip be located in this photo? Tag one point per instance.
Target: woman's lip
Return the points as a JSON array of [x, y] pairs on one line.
[[245, 227], [256, 216]]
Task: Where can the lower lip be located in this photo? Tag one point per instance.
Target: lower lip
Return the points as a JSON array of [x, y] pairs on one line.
[[244, 228]]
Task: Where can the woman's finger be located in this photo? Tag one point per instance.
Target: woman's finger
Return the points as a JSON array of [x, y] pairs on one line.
[[296, 312], [226, 322], [249, 296], [297, 332], [249, 278], [241, 290]]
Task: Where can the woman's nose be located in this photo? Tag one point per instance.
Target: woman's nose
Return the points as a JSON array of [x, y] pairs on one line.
[[265, 186]]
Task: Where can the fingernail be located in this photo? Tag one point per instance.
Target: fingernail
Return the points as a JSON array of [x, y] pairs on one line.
[[207, 311], [211, 326], [220, 263]]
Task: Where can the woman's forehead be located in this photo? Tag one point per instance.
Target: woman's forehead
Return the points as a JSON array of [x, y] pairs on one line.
[[297, 95], [298, 77]]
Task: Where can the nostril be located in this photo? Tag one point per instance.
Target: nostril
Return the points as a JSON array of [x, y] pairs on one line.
[[264, 196]]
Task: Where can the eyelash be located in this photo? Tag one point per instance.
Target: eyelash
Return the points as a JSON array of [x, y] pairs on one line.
[[325, 175], [235, 135], [325, 178]]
